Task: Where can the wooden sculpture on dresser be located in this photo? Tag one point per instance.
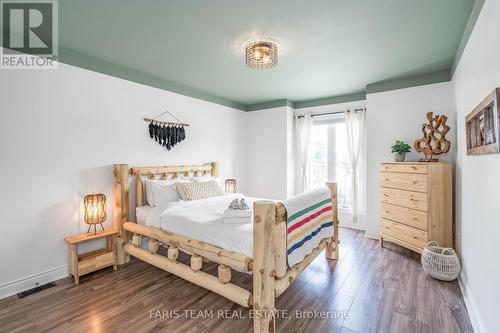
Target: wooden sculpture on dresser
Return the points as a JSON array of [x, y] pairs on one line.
[[434, 140]]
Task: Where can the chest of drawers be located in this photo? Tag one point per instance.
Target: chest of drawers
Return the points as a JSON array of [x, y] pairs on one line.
[[416, 204]]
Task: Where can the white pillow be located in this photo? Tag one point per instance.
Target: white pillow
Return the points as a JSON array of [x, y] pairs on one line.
[[160, 192], [204, 179], [149, 190]]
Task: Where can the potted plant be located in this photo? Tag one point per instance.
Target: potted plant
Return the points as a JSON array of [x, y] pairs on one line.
[[399, 149]]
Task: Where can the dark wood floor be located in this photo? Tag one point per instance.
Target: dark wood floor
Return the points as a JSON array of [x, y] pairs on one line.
[[379, 290]]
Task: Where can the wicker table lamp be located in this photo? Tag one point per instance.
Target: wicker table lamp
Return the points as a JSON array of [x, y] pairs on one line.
[[95, 210]]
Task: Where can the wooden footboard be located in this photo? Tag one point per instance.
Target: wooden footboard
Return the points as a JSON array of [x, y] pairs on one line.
[[271, 274], [236, 261]]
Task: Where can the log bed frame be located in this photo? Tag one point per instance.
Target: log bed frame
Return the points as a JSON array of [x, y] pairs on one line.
[[271, 274]]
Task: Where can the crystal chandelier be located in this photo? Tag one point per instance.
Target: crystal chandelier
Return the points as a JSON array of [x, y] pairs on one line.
[[261, 54]]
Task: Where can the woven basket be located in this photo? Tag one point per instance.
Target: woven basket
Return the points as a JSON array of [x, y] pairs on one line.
[[439, 262]]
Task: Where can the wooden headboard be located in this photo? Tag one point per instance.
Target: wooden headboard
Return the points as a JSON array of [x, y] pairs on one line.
[[121, 183], [169, 172]]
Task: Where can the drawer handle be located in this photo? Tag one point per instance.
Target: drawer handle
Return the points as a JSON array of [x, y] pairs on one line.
[[414, 167], [415, 219]]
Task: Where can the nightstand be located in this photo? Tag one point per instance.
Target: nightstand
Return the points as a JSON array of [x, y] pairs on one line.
[[81, 264]]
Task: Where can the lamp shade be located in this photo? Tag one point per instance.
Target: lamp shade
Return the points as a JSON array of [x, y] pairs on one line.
[[95, 208], [230, 185]]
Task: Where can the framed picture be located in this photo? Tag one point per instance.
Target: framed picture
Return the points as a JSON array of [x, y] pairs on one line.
[[482, 126]]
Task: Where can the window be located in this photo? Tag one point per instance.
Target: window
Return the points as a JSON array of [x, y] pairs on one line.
[[318, 168], [329, 160]]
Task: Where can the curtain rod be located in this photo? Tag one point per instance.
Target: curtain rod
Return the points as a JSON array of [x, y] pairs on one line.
[[331, 113]]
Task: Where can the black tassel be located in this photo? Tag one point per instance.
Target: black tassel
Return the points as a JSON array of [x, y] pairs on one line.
[[172, 133], [151, 130], [168, 134], [174, 136], [157, 132], [162, 135]]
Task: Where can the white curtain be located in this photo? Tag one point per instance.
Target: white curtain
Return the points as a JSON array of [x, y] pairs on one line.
[[302, 136], [355, 131]]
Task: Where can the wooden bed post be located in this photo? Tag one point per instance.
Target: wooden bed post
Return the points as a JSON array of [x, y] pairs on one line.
[[280, 239], [263, 267], [215, 169], [120, 208], [332, 250], [139, 191]]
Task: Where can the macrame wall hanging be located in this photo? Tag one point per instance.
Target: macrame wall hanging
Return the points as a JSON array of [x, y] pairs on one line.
[[168, 134]]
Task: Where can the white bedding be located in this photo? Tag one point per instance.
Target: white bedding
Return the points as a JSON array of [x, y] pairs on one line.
[[202, 220]]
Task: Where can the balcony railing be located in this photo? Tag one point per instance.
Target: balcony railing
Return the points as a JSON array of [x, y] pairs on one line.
[[319, 175]]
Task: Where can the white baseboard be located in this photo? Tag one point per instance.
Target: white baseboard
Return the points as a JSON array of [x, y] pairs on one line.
[[372, 234], [14, 287], [471, 308]]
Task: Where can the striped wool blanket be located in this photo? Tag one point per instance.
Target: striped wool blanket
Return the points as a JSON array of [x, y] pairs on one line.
[[310, 219]]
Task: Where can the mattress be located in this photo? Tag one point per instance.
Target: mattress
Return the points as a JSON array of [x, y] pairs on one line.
[[202, 220]]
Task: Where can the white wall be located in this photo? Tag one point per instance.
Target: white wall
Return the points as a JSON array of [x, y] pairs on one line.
[[478, 177], [61, 131], [398, 115], [267, 148]]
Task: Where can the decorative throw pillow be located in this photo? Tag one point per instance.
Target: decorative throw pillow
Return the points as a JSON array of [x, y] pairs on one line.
[[196, 191]]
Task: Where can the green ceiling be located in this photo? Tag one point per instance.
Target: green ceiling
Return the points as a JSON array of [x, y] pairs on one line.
[[328, 47]]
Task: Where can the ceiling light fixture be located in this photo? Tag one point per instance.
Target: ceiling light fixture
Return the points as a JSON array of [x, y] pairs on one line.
[[261, 54]]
